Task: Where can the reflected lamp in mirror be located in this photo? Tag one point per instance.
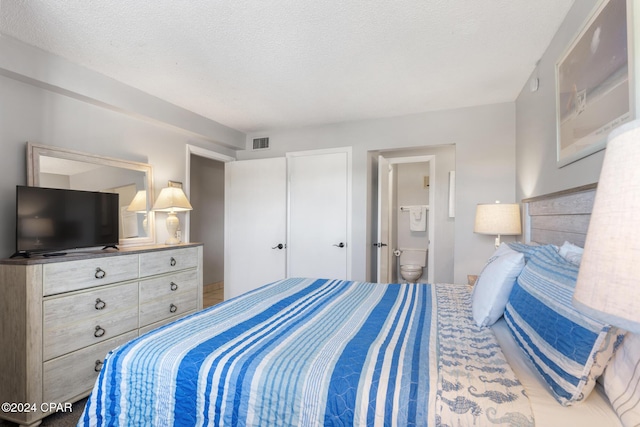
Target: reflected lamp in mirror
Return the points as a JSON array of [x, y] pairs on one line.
[[139, 205], [172, 200], [607, 286], [37, 228], [499, 219]]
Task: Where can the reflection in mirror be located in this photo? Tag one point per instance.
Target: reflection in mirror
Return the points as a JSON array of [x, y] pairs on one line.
[[55, 167]]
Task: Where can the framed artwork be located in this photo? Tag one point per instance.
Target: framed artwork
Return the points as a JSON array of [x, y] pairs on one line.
[[593, 84]]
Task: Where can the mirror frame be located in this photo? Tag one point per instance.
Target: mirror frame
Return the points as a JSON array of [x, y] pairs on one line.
[[36, 151]]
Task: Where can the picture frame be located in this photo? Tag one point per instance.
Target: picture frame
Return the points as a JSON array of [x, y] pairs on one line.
[[594, 85]]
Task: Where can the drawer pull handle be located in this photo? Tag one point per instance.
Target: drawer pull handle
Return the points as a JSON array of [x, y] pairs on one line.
[[98, 366], [174, 286], [173, 308], [100, 304], [173, 262], [99, 332], [100, 273]]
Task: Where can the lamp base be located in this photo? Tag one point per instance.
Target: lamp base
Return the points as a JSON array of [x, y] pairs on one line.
[[172, 241], [172, 227]]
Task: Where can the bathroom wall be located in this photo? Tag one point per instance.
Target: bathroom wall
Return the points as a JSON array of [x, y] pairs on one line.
[[410, 190], [442, 246]]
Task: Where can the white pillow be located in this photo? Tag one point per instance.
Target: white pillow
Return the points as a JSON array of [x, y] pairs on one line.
[[622, 381], [571, 253], [493, 287]]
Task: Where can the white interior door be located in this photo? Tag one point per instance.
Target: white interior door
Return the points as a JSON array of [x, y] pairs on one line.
[[384, 200], [255, 224], [318, 215]]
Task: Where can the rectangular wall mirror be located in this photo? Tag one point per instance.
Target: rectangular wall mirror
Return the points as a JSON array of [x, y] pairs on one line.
[[55, 167]]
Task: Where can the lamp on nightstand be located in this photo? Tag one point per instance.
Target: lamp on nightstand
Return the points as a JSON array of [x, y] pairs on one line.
[[171, 200], [498, 219], [607, 286]]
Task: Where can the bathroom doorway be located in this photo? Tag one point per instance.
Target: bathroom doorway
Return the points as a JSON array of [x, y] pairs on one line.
[[406, 200], [441, 214]]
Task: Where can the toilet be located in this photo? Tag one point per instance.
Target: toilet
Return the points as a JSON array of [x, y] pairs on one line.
[[412, 261]]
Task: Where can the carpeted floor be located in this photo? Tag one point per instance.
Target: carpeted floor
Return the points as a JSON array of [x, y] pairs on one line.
[[60, 419]]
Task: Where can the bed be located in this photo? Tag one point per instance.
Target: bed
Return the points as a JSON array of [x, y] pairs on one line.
[[308, 351], [314, 352]]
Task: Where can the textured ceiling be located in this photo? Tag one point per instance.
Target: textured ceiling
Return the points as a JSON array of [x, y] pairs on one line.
[[256, 65]]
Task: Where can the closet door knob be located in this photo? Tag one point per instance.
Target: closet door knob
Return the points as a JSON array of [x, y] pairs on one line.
[[279, 246], [340, 245]]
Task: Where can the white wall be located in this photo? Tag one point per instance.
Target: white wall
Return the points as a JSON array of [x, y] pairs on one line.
[[47, 100], [537, 172], [485, 168], [57, 103]]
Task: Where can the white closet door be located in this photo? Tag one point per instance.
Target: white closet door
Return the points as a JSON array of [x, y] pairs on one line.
[[255, 224], [318, 207]]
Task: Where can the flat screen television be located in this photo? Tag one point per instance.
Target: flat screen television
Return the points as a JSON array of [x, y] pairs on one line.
[[51, 220]]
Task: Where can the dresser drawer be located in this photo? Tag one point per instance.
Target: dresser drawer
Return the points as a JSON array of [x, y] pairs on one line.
[[169, 296], [75, 321], [69, 276], [168, 285], [159, 262], [73, 374]]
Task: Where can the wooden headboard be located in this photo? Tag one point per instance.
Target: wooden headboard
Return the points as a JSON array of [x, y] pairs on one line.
[[559, 217]]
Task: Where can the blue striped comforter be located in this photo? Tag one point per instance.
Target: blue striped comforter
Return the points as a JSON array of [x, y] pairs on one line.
[[305, 352]]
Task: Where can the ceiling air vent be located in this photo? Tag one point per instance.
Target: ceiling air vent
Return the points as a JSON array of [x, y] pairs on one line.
[[261, 143]]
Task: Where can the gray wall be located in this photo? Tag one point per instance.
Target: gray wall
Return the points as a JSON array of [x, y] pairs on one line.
[[46, 100], [503, 151], [537, 172], [485, 168], [207, 218]]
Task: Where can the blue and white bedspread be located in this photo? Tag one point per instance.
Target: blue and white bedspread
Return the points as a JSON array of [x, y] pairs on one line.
[[313, 352]]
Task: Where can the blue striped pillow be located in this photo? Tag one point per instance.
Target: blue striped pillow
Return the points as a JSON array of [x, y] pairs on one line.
[[569, 349], [529, 250]]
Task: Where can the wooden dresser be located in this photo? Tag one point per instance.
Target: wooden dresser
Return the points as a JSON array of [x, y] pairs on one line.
[[60, 316]]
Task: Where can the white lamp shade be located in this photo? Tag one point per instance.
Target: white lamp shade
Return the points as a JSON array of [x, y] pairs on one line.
[[498, 219], [608, 284], [172, 199], [139, 202]]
